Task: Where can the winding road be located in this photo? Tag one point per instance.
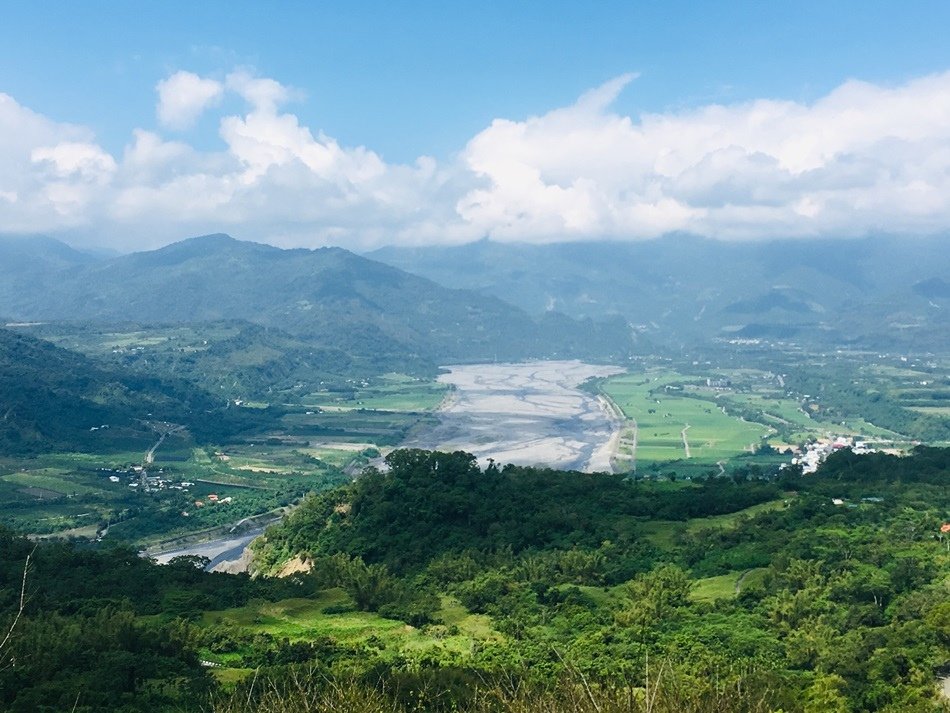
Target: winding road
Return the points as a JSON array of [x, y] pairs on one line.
[[633, 443]]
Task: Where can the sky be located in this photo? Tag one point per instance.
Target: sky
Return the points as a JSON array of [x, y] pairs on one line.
[[361, 124]]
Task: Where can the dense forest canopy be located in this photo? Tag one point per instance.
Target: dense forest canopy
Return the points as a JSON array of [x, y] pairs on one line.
[[428, 504], [829, 607]]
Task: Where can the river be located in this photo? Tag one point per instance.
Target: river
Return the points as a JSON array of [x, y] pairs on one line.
[[530, 413], [219, 550]]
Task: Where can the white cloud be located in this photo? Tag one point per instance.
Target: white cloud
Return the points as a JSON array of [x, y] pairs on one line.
[[863, 158], [50, 173], [262, 93], [74, 175], [74, 160], [183, 97]]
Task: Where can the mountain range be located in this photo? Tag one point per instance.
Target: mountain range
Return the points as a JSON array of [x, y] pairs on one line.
[[880, 293], [295, 316], [330, 297]]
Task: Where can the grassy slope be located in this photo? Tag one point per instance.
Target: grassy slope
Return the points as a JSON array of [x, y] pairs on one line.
[[330, 613]]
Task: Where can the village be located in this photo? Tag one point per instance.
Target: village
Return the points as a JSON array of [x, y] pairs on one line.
[[815, 452], [141, 481]]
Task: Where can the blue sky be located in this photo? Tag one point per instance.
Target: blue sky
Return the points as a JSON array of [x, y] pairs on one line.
[[415, 79], [411, 78]]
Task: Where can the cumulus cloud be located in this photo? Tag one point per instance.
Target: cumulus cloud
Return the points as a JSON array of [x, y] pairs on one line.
[[183, 97], [864, 158], [49, 172], [263, 93], [75, 160]]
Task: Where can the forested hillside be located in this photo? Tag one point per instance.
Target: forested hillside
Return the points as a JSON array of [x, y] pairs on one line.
[[832, 596], [331, 297], [430, 504], [54, 399]]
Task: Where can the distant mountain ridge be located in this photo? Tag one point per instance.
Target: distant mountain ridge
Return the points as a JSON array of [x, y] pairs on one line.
[[879, 292], [329, 295]]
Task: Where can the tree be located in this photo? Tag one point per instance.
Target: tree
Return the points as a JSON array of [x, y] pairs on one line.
[[370, 586], [824, 695], [654, 595]]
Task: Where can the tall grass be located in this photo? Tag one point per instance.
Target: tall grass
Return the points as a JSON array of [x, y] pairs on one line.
[[665, 692]]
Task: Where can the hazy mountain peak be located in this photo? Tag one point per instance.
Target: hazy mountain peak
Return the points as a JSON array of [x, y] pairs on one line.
[[200, 243], [41, 247]]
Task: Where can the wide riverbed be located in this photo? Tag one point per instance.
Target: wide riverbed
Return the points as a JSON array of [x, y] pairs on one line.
[[220, 550], [527, 414]]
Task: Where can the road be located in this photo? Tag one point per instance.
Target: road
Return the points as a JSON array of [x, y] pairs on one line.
[[633, 443], [150, 456], [601, 460], [685, 442], [741, 580]]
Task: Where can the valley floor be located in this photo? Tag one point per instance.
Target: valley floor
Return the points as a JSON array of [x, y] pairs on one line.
[[526, 414]]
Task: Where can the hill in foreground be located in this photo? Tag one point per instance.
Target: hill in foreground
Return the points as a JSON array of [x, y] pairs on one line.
[[828, 598]]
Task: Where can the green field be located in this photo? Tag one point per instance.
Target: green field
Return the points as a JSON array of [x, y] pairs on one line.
[[780, 412], [943, 411], [57, 483], [390, 392], [712, 588], [330, 614], [726, 586], [664, 533], [731, 412], [663, 409]]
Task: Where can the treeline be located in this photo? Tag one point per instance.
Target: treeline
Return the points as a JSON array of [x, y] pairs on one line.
[[430, 503]]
